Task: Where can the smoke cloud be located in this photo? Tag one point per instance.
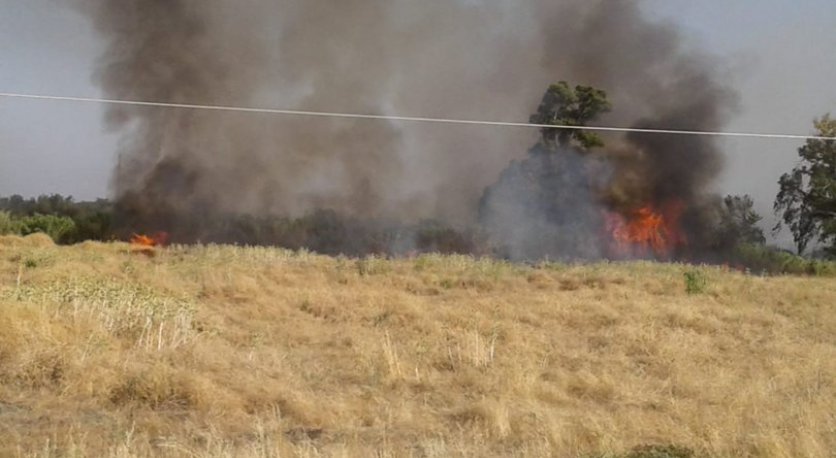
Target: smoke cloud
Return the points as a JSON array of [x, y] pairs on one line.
[[474, 59]]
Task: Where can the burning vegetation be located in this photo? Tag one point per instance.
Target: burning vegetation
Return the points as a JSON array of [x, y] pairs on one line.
[[157, 240], [646, 232], [147, 245], [359, 187]]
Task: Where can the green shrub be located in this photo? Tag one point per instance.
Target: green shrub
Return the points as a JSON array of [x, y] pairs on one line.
[[660, 451], [761, 259], [8, 225], [57, 227], [653, 451], [90, 226], [695, 282]]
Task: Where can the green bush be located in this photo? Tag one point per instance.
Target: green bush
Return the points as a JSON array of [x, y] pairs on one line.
[[695, 282], [51, 215], [654, 451], [57, 227], [8, 225], [768, 260], [660, 451], [90, 226]]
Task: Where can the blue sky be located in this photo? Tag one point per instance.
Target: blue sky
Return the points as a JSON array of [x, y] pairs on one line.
[[782, 54]]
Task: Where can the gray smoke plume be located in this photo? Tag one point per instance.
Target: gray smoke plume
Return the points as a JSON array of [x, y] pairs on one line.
[[476, 59]]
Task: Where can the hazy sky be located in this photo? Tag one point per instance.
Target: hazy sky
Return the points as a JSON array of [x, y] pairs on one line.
[[783, 57], [781, 53]]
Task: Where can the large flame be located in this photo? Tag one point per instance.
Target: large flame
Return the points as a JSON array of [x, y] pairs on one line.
[[648, 231]]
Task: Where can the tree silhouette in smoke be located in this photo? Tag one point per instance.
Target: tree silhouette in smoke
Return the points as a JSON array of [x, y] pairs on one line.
[[739, 221], [546, 205]]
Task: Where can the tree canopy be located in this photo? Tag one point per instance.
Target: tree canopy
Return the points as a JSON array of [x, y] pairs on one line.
[[806, 201], [564, 106]]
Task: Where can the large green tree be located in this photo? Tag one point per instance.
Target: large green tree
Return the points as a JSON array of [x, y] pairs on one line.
[[806, 201], [564, 106]]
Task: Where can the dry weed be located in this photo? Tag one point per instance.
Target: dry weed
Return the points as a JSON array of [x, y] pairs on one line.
[[216, 351]]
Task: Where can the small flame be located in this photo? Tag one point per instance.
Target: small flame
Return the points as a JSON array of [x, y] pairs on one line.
[[144, 241], [646, 231]]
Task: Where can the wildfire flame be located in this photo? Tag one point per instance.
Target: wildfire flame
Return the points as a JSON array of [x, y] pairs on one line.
[[647, 231], [144, 241]]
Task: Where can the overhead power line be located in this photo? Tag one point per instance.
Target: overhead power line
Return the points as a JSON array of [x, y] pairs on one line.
[[379, 117]]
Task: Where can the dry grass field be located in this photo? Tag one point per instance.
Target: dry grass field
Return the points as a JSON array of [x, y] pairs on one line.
[[220, 351]]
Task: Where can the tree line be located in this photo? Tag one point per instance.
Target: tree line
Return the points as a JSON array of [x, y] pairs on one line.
[[60, 217], [806, 203]]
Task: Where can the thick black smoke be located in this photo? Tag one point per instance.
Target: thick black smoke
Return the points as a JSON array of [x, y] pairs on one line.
[[478, 59]]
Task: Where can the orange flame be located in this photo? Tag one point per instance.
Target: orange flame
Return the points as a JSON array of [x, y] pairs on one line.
[[646, 231], [144, 241]]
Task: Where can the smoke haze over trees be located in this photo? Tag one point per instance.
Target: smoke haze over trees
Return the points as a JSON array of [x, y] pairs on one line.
[[549, 204], [467, 59]]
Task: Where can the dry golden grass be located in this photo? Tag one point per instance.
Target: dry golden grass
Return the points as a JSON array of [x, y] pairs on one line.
[[222, 351]]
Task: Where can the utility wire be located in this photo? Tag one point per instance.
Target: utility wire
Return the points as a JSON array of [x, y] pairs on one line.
[[325, 114]]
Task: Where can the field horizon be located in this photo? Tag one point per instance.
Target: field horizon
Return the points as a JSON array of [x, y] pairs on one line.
[[211, 351]]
